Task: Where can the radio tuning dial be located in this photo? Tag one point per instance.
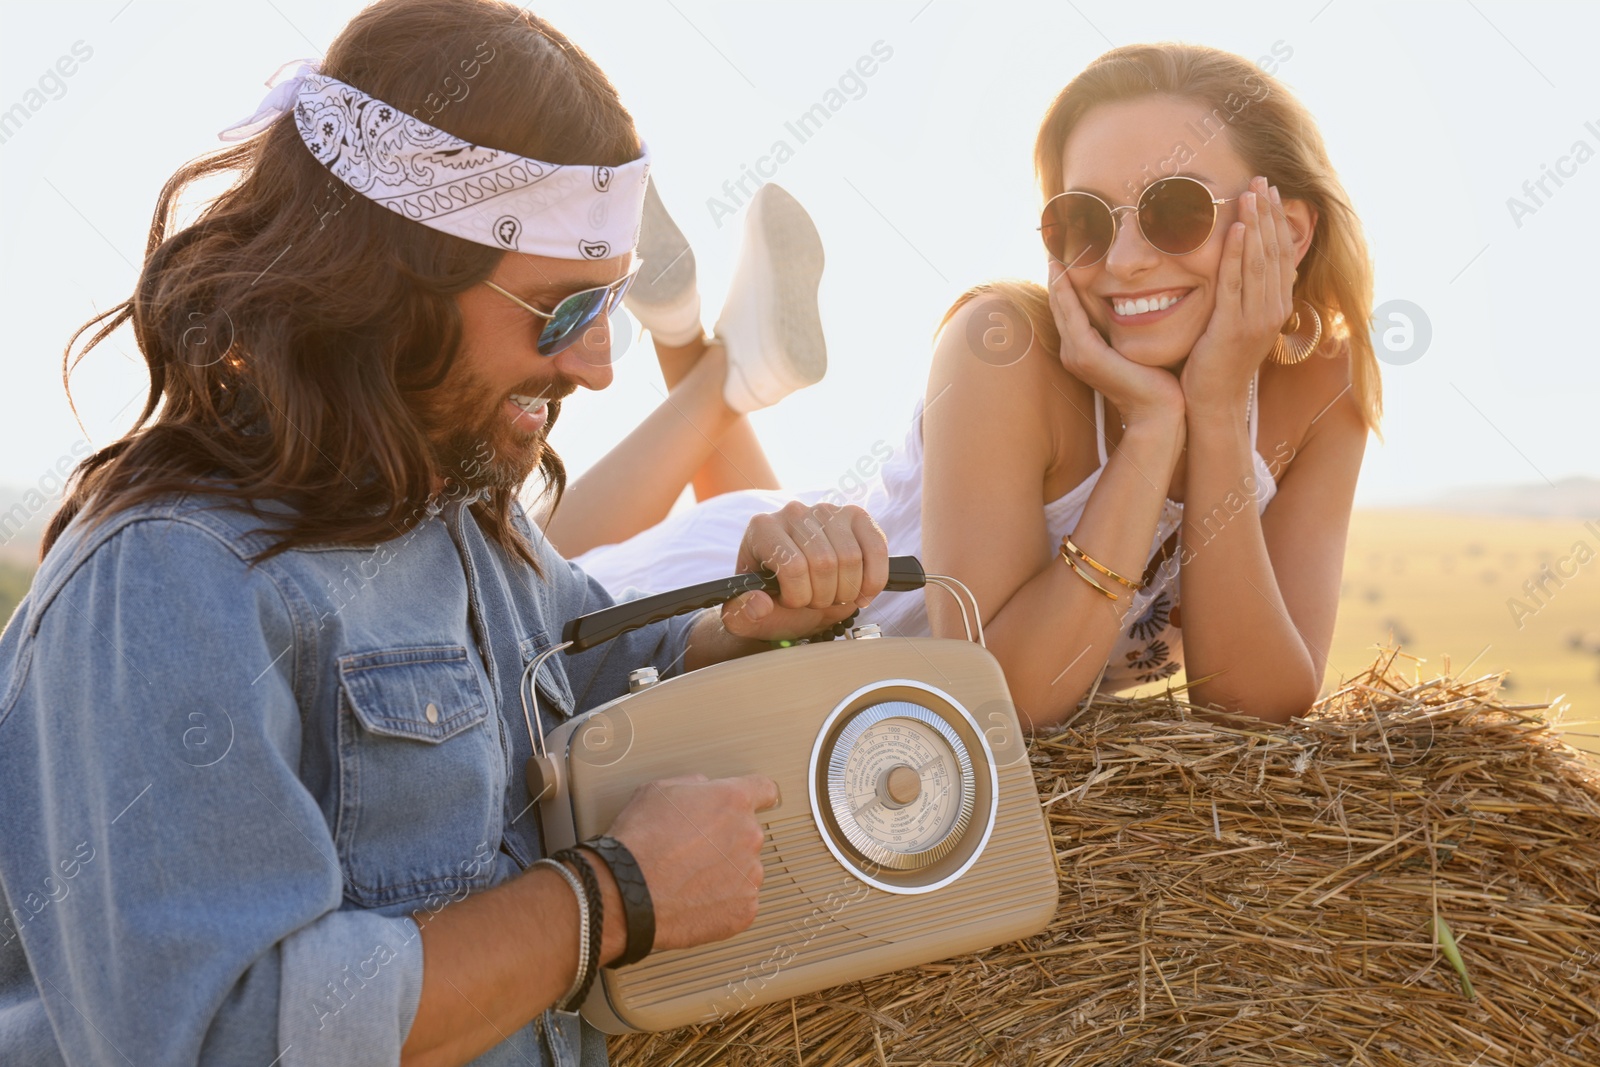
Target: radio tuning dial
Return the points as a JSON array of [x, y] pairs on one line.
[[900, 785]]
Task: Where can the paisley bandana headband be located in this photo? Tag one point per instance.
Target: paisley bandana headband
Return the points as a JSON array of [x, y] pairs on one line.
[[484, 195]]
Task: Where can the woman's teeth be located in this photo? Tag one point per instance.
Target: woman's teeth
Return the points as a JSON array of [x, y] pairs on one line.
[[1144, 304]]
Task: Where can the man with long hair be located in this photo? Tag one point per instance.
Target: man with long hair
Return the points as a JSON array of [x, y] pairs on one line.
[[261, 740]]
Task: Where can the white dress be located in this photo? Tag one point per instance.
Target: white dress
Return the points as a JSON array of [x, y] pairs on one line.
[[700, 543]]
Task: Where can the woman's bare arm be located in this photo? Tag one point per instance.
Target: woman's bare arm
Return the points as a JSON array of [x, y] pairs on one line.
[[988, 441], [1261, 591]]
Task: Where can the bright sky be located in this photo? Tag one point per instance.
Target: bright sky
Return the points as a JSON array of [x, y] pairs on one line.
[[1435, 114]]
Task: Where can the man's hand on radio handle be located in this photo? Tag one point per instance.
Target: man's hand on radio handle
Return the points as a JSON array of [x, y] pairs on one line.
[[830, 562], [698, 842]]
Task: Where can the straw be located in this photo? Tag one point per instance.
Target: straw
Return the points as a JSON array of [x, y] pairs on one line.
[[1326, 891]]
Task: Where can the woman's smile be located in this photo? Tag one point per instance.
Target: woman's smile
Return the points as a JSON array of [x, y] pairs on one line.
[[1139, 309]]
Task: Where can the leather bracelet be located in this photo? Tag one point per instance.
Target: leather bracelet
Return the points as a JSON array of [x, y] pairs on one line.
[[596, 910], [638, 910], [571, 996]]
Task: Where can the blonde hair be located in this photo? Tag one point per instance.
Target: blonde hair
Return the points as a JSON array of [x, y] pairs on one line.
[[1274, 135]]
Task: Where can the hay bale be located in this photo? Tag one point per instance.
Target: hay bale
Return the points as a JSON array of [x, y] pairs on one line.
[[1239, 893]]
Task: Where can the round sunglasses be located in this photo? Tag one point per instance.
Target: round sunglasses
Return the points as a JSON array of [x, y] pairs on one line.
[[1176, 215], [575, 313]]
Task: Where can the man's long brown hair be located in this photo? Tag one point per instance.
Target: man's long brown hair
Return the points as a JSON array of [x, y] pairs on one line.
[[287, 326]]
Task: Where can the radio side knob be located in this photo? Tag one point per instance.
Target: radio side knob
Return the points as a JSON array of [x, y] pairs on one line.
[[643, 678]]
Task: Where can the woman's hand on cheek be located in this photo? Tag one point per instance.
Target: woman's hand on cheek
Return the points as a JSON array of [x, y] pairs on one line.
[[1255, 297], [1139, 392]]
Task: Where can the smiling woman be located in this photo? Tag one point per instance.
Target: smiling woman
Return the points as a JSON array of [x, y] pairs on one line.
[[1167, 344]]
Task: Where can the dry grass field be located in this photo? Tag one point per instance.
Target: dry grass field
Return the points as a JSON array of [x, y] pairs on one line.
[[1442, 585]]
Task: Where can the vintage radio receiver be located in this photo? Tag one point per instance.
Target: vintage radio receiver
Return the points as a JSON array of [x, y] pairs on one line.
[[908, 827]]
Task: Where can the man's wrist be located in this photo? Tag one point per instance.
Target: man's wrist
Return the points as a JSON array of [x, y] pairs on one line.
[[711, 642]]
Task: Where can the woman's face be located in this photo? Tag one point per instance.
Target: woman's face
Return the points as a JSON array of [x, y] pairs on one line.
[[1115, 152]]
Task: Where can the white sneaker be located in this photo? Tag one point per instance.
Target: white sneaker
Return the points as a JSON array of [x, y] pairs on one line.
[[664, 296], [769, 322]]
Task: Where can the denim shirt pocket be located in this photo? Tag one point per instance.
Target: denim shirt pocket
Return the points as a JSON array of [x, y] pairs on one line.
[[555, 692], [421, 776]]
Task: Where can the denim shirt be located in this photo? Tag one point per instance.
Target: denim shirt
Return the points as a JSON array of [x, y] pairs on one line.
[[226, 790]]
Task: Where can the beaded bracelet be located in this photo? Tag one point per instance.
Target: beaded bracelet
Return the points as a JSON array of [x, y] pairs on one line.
[[826, 633], [580, 981]]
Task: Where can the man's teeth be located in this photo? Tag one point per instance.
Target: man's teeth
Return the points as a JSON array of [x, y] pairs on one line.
[[1143, 304], [530, 404]]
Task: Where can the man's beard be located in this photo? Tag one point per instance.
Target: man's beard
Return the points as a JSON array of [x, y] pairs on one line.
[[473, 443]]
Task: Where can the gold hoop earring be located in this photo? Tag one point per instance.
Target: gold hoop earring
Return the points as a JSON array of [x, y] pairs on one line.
[[1294, 343]]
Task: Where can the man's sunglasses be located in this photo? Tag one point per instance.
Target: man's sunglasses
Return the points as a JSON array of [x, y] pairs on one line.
[[575, 313], [1176, 215]]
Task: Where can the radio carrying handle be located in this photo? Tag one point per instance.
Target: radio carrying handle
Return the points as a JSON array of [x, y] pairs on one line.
[[586, 631], [597, 627]]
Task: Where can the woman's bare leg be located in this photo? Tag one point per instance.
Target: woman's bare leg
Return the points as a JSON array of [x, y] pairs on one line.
[[635, 484], [699, 438], [739, 461]]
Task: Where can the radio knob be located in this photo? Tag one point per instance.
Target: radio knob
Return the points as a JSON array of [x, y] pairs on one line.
[[643, 678], [865, 630], [901, 785]]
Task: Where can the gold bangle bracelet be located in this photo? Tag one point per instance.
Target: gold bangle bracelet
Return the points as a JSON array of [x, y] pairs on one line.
[[1081, 573], [1067, 545]]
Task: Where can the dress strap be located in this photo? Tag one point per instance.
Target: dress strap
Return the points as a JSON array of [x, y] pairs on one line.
[[1099, 426]]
